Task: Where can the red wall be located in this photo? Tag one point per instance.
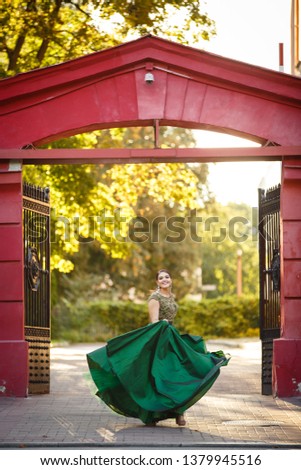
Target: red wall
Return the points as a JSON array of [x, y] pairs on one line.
[[287, 349], [13, 347]]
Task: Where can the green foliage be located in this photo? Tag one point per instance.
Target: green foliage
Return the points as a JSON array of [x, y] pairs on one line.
[[95, 321], [98, 202], [225, 230], [222, 317], [39, 33], [166, 240]]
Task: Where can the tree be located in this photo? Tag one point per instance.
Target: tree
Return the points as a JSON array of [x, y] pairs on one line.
[[97, 202], [38, 33], [225, 230], [180, 239], [158, 235]]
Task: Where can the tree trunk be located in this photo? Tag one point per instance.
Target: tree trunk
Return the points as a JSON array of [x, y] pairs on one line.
[[50, 27], [13, 54]]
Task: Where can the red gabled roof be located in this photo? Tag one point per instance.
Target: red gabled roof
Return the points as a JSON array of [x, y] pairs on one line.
[[184, 58], [192, 88]]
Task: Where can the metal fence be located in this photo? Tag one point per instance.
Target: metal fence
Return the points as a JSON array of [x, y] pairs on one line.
[[269, 275], [36, 242]]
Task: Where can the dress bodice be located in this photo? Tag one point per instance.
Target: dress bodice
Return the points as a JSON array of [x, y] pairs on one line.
[[168, 306]]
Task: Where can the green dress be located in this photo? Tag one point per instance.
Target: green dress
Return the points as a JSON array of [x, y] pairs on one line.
[[154, 373]]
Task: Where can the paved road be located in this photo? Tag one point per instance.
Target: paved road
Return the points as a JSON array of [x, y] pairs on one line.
[[232, 414]]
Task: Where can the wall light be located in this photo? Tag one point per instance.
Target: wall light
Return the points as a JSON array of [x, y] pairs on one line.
[[149, 78]]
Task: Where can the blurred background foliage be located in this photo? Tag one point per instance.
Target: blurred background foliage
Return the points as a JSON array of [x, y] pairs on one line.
[[114, 226], [39, 33], [98, 321]]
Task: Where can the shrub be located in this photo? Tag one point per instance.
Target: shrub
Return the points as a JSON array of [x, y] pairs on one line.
[[97, 321]]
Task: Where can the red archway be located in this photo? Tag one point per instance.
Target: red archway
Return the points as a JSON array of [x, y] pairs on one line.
[[148, 82]]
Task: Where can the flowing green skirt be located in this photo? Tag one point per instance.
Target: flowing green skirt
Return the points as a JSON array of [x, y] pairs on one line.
[[154, 373]]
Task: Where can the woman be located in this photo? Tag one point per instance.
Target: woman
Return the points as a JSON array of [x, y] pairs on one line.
[[154, 373], [162, 306]]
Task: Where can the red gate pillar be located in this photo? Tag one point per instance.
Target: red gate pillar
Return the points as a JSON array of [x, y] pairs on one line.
[[13, 347], [287, 349]]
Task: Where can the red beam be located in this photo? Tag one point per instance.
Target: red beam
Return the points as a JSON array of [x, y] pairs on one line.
[[82, 156]]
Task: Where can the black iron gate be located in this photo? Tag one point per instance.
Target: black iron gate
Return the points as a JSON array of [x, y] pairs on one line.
[[36, 240], [269, 264]]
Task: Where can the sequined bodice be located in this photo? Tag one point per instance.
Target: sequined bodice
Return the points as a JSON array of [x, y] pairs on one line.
[[168, 306]]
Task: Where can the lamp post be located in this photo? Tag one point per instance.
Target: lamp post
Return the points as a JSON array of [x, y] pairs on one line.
[[239, 273]]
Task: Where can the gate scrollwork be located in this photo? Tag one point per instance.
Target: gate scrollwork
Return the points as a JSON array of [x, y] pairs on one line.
[[33, 268], [274, 270]]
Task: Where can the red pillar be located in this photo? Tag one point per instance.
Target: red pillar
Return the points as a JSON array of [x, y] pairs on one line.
[[287, 349], [13, 347]]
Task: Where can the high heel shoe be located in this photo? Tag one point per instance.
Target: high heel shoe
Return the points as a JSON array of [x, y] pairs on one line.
[[180, 420]]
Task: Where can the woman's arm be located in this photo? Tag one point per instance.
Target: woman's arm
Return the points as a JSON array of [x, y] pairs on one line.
[[153, 310]]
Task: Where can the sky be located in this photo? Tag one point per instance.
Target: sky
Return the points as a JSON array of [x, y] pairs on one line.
[[249, 31]]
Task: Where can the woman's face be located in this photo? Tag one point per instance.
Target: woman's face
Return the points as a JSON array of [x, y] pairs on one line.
[[164, 280]]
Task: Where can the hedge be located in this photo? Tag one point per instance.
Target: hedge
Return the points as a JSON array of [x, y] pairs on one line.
[[97, 321]]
